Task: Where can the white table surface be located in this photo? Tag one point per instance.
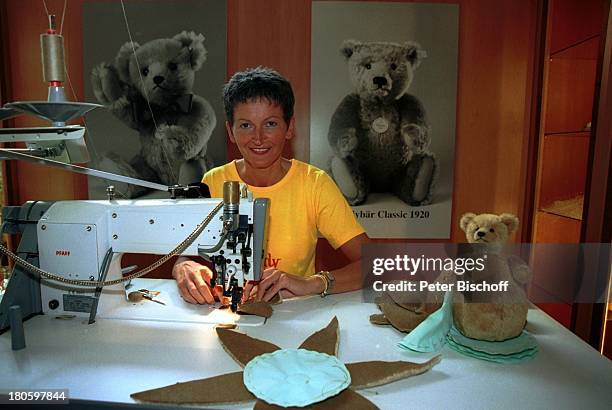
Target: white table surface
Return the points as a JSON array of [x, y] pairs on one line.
[[111, 359]]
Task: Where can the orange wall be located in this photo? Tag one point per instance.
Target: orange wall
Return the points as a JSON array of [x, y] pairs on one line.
[[496, 56]]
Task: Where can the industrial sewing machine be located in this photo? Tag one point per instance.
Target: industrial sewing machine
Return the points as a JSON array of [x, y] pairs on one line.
[[85, 240], [69, 257]]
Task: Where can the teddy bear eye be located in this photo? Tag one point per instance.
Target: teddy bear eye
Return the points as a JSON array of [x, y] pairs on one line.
[[393, 66], [145, 71], [172, 66], [368, 66], [491, 230]]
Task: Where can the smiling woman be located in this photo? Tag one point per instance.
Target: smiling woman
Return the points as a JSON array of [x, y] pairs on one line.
[[260, 132], [304, 201]]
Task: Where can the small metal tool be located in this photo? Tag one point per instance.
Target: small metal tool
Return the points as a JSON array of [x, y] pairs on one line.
[[141, 294]]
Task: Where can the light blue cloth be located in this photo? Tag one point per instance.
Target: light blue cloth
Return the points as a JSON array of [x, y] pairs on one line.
[[295, 377], [515, 350], [437, 330], [430, 334]]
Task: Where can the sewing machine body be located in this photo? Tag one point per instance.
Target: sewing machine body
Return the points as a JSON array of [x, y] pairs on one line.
[[74, 237]]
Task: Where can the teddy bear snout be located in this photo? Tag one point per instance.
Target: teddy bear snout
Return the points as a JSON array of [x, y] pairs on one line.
[[480, 234], [380, 81], [158, 79]]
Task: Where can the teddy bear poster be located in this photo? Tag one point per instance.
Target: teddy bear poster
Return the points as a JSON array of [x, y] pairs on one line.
[[383, 104], [181, 53]]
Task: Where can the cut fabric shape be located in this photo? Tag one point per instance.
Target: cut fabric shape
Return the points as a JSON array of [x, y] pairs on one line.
[[259, 308], [262, 309], [245, 349], [295, 377], [516, 350], [430, 335], [400, 318]]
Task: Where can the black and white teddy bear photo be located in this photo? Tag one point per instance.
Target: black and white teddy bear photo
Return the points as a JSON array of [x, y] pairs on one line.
[[149, 87], [379, 133]]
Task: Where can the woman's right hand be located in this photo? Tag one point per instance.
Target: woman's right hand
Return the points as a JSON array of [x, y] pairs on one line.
[[193, 281]]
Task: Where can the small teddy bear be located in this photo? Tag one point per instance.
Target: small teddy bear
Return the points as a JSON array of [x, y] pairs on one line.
[[492, 316], [379, 133], [149, 87]]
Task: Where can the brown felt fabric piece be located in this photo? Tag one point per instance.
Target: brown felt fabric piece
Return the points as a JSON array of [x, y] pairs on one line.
[[379, 319], [262, 309], [414, 301], [243, 348], [276, 299], [376, 373], [345, 400], [325, 340], [227, 388], [262, 405], [401, 319]]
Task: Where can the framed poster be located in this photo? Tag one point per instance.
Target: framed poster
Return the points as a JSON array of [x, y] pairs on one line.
[[383, 111], [163, 115]]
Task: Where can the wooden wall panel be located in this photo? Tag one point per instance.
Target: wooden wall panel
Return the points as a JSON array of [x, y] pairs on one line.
[[571, 87], [276, 34], [564, 168], [574, 21]]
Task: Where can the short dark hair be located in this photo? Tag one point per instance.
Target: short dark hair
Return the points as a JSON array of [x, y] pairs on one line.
[[257, 83]]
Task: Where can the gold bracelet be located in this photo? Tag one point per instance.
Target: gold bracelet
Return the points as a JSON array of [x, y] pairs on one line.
[[329, 282]]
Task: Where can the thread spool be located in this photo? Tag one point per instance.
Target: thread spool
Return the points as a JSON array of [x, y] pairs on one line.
[[231, 203], [52, 53]]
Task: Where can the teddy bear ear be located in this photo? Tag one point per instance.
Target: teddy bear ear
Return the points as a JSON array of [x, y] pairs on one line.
[[195, 44], [122, 61], [511, 221], [348, 48], [414, 53], [465, 220]]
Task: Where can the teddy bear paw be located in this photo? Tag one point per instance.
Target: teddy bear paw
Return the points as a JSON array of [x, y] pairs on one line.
[[106, 84], [170, 139], [347, 143], [415, 137], [347, 181]]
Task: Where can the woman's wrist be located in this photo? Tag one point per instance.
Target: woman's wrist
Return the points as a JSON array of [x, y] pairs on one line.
[[319, 284]]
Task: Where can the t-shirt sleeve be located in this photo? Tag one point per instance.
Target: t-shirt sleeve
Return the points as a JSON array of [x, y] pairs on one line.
[[214, 179], [335, 219]]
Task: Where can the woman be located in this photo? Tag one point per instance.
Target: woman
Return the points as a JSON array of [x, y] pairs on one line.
[[304, 201]]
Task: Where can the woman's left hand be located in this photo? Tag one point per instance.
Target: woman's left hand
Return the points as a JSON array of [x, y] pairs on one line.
[[274, 281]]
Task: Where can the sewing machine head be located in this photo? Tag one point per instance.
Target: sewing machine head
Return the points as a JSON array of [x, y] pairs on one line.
[[84, 240]]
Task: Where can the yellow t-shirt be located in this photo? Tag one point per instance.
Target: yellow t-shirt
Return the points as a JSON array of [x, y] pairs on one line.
[[304, 204]]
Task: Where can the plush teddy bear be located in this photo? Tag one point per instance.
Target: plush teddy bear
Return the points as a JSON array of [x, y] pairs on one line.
[[149, 87], [379, 133], [492, 316]]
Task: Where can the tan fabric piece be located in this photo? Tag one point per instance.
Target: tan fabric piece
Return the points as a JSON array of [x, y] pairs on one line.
[[325, 340], [227, 388], [401, 319], [262, 405], [379, 319], [346, 400], [276, 299], [376, 373], [414, 301], [262, 309], [243, 348]]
